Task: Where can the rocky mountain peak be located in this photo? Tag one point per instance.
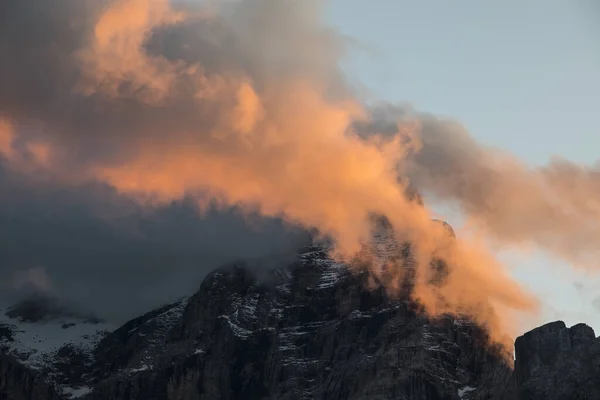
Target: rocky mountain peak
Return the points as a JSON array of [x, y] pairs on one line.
[[556, 362], [312, 329]]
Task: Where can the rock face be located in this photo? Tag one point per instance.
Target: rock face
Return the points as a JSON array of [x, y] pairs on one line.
[[556, 362], [17, 382], [310, 330], [315, 331]]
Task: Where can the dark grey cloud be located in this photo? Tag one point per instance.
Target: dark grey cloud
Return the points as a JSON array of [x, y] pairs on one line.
[[99, 249], [105, 253], [40, 45], [249, 106]]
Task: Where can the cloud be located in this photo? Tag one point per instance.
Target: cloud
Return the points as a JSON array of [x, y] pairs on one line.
[[596, 304], [6, 139], [34, 279], [554, 207], [180, 109], [108, 255]]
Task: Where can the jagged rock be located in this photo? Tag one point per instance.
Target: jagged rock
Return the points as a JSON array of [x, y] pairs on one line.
[[314, 329], [556, 362], [17, 382]]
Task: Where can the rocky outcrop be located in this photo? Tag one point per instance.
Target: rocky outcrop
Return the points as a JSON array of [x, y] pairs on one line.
[[314, 329], [556, 362], [18, 382]]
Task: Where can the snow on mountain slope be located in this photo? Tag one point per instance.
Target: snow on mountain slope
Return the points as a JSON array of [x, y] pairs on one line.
[[35, 344], [148, 336], [63, 347], [50, 339]]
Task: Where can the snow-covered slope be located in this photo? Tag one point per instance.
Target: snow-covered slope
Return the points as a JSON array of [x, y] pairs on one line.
[[36, 343], [50, 339], [68, 350]]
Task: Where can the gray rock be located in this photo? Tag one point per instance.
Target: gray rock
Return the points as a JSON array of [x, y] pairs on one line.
[[17, 382], [310, 330], [315, 331], [556, 362]]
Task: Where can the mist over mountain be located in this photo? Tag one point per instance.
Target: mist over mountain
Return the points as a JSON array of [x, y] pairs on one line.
[[148, 147], [307, 329]]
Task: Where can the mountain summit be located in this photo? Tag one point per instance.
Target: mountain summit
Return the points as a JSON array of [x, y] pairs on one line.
[[313, 329]]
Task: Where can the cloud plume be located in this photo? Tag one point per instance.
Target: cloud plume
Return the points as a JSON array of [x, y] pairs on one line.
[[554, 207], [243, 104]]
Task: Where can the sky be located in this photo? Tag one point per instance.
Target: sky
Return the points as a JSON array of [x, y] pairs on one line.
[[520, 76], [143, 143]]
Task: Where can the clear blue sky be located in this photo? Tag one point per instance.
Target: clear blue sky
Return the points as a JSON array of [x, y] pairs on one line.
[[522, 75]]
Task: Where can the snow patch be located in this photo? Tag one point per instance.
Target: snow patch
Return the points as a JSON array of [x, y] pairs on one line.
[[141, 368], [249, 306], [75, 393], [462, 392], [356, 314], [36, 343], [237, 330], [331, 275]]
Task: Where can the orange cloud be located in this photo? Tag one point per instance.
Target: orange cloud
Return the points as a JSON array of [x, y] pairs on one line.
[[555, 208], [252, 111], [34, 153], [6, 138], [116, 53]]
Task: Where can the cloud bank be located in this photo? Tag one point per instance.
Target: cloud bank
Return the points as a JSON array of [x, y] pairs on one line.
[[243, 104]]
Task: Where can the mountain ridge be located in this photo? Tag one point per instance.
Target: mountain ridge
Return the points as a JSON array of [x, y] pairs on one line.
[[313, 329]]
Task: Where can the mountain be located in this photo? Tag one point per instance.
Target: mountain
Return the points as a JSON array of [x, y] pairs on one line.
[[42, 342], [313, 329], [556, 362]]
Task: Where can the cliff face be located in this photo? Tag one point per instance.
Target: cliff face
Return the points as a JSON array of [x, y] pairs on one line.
[[17, 382], [316, 332], [309, 330], [556, 362]]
